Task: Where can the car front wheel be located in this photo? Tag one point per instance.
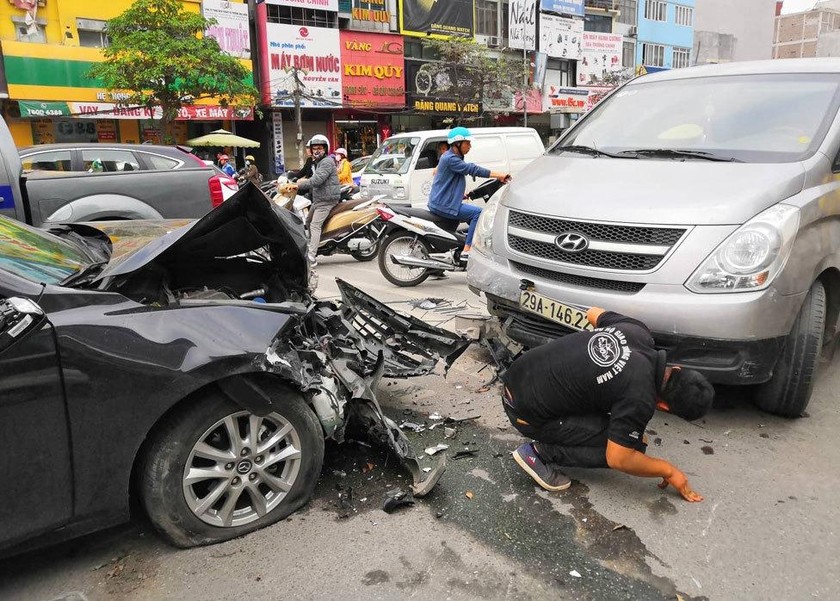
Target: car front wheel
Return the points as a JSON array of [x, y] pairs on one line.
[[214, 471], [789, 390]]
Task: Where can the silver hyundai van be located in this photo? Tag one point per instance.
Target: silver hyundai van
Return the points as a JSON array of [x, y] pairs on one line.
[[702, 201]]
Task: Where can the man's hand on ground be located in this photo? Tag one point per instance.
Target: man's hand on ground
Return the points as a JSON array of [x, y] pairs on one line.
[[680, 482]]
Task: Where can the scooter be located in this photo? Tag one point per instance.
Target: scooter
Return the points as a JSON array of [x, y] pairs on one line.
[[353, 227], [418, 243]]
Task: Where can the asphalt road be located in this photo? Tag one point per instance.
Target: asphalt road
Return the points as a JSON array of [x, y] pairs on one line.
[[767, 529]]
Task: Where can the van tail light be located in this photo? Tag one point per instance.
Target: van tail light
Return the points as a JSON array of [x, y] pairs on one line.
[[385, 214], [216, 195]]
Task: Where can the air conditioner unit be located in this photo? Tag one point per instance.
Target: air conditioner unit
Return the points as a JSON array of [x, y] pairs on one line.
[[634, 31], [493, 41]]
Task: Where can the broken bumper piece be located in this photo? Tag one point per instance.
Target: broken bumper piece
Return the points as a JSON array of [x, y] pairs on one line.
[[337, 355]]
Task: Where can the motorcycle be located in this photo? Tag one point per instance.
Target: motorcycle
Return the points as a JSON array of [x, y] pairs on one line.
[[419, 243], [353, 227]]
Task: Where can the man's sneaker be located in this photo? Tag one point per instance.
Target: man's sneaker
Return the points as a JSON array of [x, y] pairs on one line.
[[548, 478]]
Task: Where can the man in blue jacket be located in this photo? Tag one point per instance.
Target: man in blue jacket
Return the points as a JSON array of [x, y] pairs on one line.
[[447, 195]]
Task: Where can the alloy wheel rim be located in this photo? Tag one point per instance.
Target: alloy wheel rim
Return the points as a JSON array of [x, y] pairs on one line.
[[404, 247], [241, 468]]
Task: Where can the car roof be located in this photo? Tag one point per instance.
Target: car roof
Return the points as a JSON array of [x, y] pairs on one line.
[[767, 67], [160, 149]]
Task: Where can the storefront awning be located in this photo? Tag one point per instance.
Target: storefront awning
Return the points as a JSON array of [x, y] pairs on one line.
[[104, 110]]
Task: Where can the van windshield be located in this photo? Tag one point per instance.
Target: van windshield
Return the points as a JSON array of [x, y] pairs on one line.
[[393, 156], [752, 118]]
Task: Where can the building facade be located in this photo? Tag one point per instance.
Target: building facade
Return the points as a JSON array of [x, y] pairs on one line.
[[722, 34], [48, 48], [665, 34], [796, 34]]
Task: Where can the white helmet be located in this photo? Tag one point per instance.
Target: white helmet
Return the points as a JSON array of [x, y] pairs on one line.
[[341, 151], [320, 140]]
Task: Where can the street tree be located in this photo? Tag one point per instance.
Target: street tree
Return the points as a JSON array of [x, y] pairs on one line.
[[158, 56], [470, 73]]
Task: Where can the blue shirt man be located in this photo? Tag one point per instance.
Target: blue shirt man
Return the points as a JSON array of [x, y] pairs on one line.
[[446, 198]]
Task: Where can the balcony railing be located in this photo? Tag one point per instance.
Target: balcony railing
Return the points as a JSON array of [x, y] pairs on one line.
[[602, 4]]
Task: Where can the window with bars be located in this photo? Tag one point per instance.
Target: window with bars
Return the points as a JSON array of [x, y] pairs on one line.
[[628, 54], [653, 55], [487, 17], [92, 33], [656, 10], [684, 15], [627, 11], [597, 23], [292, 15], [681, 59]]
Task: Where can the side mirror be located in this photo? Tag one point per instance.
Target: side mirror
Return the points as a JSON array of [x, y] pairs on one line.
[[19, 317], [424, 163]]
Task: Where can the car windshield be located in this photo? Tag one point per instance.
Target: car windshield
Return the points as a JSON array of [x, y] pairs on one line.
[[36, 255], [393, 156], [752, 118]]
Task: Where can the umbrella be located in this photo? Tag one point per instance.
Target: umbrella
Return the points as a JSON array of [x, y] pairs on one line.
[[222, 138]]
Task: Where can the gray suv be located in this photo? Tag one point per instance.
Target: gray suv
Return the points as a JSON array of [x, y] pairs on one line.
[[704, 202]]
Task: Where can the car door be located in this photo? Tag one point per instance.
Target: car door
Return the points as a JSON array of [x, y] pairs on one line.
[[35, 461]]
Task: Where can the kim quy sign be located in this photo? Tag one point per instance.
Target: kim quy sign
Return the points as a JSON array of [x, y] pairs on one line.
[[331, 5], [565, 7], [373, 69], [315, 54], [231, 28]]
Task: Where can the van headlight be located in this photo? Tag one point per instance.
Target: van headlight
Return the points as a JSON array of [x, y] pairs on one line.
[[752, 257], [399, 193], [483, 238]]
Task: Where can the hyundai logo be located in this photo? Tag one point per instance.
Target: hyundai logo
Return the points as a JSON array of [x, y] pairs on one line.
[[572, 242]]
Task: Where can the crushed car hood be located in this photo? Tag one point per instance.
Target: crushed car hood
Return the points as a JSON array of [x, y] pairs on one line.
[[246, 222]]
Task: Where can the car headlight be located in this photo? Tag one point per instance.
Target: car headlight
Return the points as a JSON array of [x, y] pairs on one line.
[[364, 191], [483, 237], [752, 257]]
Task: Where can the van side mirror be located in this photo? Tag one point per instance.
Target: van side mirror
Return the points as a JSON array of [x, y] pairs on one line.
[[423, 163], [19, 317]]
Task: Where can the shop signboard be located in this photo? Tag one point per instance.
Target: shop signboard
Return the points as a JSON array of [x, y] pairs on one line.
[[373, 69], [601, 55], [231, 28], [105, 110], [522, 16], [439, 18], [106, 130], [433, 90], [565, 7], [371, 11], [567, 100], [331, 5], [279, 159], [561, 37], [314, 53]]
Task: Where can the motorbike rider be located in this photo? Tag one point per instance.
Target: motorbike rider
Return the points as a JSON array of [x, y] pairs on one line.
[[224, 165], [449, 184], [250, 172], [325, 189], [345, 171]]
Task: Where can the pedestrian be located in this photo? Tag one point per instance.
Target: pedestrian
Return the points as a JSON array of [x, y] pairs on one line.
[[250, 172], [325, 191], [224, 165], [446, 198], [345, 171], [586, 399]]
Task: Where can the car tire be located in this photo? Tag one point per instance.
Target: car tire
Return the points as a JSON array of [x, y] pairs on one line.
[[173, 503], [403, 237], [789, 390]]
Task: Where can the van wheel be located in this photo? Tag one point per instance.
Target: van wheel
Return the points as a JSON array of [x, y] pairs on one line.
[[402, 243], [789, 390]]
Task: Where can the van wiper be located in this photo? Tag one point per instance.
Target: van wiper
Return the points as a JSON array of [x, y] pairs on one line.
[[84, 274], [676, 153], [590, 151]]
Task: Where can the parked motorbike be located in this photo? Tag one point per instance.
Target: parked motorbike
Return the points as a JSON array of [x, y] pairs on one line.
[[418, 243], [353, 227]]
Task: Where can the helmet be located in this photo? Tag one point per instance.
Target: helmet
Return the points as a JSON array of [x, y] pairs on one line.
[[459, 134], [224, 157], [341, 151], [250, 157], [319, 140]]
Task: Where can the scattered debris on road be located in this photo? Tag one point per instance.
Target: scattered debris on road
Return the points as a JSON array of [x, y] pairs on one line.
[[575, 574], [396, 498], [431, 451], [469, 494], [707, 450], [465, 453]]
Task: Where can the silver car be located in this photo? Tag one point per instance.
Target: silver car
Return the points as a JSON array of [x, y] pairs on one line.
[[702, 201]]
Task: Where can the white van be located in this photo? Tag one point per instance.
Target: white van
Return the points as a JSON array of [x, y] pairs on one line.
[[402, 168]]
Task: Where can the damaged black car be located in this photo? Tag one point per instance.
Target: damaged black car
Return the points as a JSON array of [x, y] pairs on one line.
[[188, 366]]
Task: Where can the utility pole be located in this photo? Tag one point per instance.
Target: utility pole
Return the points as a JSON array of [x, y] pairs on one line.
[[525, 90], [298, 116]]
